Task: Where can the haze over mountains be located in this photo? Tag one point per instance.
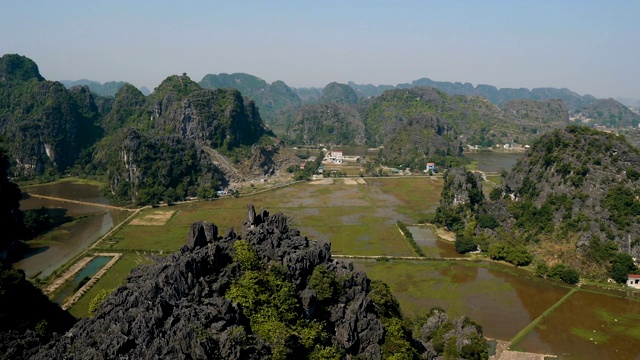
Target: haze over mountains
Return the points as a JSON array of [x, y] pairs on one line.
[[109, 88], [223, 126], [273, 98]]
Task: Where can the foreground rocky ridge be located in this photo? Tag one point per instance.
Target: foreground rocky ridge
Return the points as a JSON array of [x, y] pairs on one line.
[[186, 306]]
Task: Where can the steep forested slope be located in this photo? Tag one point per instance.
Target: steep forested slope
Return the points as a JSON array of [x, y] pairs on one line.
[[572, 199], [108, 89], [276, 101], [608, 112], [421, 124], [182, 140], [337, 93], [174, 142], [497, 96], [327, 123], [48, 127], [27, 317]]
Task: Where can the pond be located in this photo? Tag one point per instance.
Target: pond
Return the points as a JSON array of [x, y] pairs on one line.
[[76, 283], [84, 224]]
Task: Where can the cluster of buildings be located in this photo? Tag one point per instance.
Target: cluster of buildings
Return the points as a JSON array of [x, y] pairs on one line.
[[337, 157]]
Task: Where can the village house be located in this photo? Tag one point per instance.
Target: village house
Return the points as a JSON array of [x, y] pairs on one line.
[[335, 156], [430, 166], [634, 281]]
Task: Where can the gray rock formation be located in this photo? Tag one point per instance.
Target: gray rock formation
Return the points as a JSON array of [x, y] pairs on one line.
[[180, 307]]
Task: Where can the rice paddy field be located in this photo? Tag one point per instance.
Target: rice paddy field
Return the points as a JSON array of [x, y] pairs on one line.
[[359, 218]]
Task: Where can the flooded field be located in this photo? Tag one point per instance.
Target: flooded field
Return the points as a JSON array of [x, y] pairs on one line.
[[84, 224], [430, 244], [490, 161], [359, 219], [503, 302], [589, 325]]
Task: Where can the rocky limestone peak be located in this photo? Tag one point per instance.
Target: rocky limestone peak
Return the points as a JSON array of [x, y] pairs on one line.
[[14, 67], [200, 303]]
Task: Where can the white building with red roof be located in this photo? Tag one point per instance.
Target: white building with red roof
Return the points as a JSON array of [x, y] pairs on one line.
[[634, 281]]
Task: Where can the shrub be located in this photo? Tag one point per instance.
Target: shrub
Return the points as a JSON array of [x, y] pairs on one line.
[[324, 283], [621, 266], [564, 273], [519, 256], [97, 300], [541, 270], [487, 221], [465, 244]]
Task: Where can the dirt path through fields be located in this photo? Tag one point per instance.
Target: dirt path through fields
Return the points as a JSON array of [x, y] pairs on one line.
[[81, 202]]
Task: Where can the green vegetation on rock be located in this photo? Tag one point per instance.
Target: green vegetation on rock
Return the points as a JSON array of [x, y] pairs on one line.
[[570, 201]]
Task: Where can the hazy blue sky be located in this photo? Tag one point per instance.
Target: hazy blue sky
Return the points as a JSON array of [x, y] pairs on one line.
[[587, 46]]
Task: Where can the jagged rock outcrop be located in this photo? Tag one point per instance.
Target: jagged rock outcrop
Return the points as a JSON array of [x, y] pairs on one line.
[[186, 306]]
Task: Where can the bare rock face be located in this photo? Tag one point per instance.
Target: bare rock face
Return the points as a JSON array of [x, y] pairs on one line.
[[201, 234]]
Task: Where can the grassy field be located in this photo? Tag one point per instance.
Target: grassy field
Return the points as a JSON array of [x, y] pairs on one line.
[[24, 185], [357, 219]]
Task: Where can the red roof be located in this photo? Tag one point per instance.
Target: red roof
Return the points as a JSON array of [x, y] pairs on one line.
[[634, 276]]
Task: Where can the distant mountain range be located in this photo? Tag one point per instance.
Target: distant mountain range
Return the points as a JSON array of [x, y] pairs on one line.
[[52, 130], [110, 88], [278, 102]]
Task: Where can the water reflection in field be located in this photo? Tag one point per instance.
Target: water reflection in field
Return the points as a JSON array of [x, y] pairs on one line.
[[76, 283], [85, 225], [589, 326], [430, 244]]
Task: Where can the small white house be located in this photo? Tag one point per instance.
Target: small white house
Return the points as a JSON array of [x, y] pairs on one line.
[[633, 281]]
